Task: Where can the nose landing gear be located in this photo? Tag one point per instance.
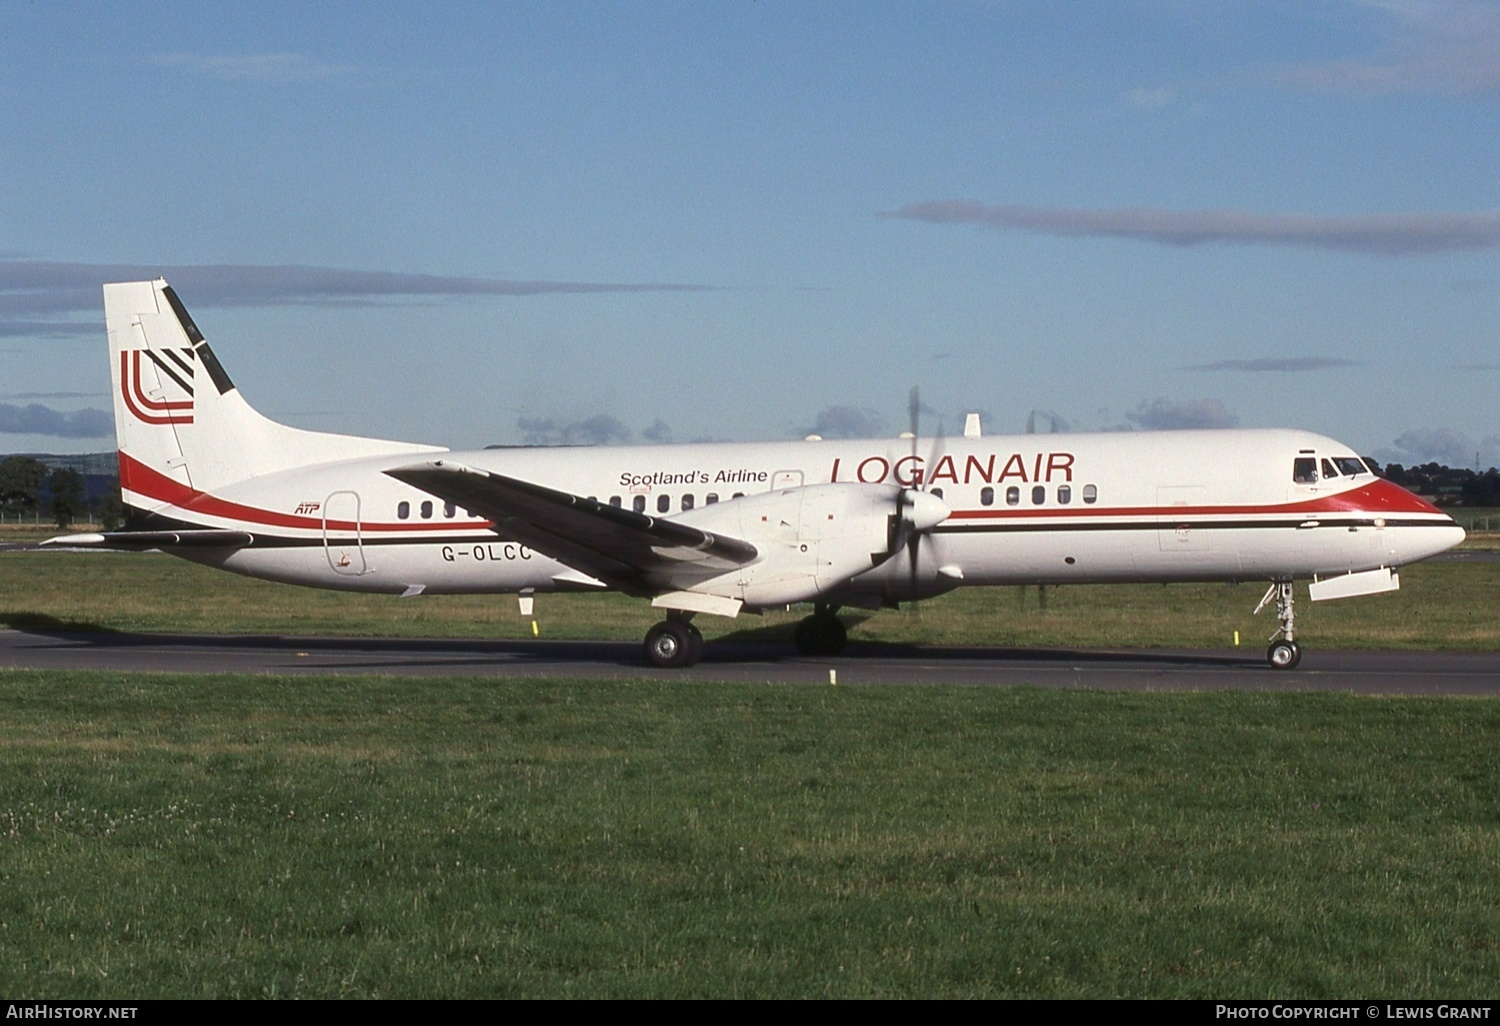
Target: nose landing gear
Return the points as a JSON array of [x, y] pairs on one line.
[[1284, 653]]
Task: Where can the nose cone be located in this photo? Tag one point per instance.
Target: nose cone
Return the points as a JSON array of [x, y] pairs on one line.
[[924, 510], [1429, 541], [1421, 529]]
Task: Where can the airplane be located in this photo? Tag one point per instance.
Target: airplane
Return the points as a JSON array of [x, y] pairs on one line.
[[723, 528]]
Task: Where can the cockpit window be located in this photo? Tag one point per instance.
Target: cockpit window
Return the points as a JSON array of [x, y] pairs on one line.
[[1305, 470], [1352, 466], [1328, 470]]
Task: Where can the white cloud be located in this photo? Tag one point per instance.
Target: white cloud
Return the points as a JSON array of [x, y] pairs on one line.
[[845, 422], [1443, 445], [1383, 234], [34, 288], [1176, 415], [36, 419]]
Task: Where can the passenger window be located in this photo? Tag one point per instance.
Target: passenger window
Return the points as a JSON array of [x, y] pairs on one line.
[[738, 495], [1012, 496], [614, 500], [687, 502], [1038, 495], [427, 510], [711, 498], [1305, 470], [663, 503], [638, 503], [1328, 470], [986, 496], [449, 510], [1090, 493], [1064, 494], [403, 510]]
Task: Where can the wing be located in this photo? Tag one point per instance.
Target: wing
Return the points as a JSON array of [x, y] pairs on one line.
[[634, 552]]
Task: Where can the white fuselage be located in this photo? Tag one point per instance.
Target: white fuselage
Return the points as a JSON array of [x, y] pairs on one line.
[[1053, 509]]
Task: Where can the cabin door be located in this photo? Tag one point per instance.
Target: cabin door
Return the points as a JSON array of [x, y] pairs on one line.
[[343, 536]]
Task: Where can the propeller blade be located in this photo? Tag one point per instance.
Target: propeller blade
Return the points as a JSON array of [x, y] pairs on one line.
[[916, 513]]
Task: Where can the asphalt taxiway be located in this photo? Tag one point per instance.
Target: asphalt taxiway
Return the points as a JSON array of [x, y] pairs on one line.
[[1368, 672]]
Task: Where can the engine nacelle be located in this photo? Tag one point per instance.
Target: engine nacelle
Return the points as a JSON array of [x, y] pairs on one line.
[[812, 539]]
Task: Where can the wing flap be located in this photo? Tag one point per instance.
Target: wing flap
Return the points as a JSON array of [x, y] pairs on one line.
[[634, 552]]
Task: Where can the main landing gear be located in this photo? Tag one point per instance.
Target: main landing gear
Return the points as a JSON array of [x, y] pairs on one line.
[[822, 633], [1284, 653], [674, 643]]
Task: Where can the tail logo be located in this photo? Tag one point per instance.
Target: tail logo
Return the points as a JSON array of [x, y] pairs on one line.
[[170, 399]]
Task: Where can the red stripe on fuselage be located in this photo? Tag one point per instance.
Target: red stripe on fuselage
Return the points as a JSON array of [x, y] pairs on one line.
[[141, 479]]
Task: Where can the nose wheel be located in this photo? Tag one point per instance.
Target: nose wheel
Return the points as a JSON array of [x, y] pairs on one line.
[[1284, 655], [673, 644]]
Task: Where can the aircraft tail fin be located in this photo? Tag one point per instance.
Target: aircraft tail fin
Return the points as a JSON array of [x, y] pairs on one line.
[[179, 420]]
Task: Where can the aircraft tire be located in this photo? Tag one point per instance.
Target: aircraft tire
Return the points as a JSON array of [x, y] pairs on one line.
[[695, 644], [1284, 655], [673, 645]]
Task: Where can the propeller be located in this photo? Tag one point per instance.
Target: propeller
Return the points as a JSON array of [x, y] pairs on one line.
[[917, 509]]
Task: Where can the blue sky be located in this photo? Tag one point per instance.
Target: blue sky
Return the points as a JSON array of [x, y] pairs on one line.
[[488, 223]]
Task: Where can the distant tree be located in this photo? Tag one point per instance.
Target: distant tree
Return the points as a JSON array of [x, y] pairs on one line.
[[1483, 489], [66, 486], [111, 512], [1447, 485], [21, 479]]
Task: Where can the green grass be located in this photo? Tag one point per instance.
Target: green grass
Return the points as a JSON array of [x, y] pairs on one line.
[[233, 836], [240, 837], [1440, 605]]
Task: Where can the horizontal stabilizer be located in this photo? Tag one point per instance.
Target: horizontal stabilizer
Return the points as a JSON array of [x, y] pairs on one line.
[[631, 551], [135, 540]]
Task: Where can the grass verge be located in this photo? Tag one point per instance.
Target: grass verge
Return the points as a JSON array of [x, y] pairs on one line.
[[1440, 605], [230, 836]]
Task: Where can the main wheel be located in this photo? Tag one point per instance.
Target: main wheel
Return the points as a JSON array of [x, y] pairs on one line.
[[673, 644], [820, 635], [1284, 655]]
